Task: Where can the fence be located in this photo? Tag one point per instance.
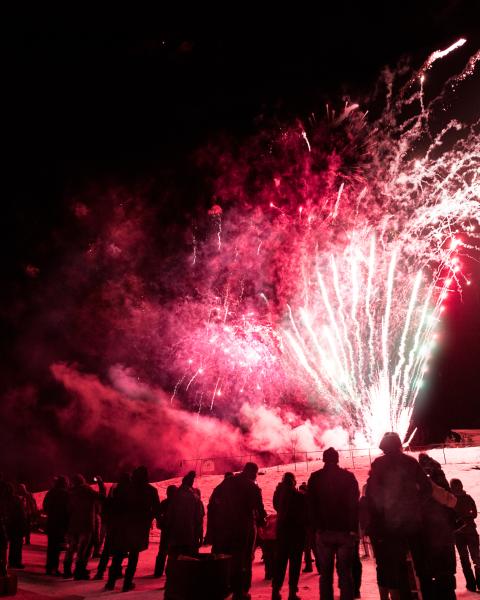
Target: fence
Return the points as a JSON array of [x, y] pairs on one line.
[[349, 458]]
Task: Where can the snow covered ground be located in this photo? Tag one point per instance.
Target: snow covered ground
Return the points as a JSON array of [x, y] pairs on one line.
[[463, 463]]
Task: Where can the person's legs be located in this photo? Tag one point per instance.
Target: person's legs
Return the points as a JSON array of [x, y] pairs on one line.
[[83, 551], [326, 557], [462, 548], [54, 545], [115, 570], [269, 553], [294, 565], [280, 568], [15, 551], [130, 570], [473, 548], [72, 543], [357, 570], [161, 556], [345, 552]]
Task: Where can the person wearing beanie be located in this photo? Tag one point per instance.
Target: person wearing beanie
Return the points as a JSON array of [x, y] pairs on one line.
[[396, 490], [332, 497]]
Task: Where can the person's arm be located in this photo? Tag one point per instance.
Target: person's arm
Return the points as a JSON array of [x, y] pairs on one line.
[[472, 508], [354, 496]]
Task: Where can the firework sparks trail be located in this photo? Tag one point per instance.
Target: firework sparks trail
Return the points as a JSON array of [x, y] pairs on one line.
[[357, 262]]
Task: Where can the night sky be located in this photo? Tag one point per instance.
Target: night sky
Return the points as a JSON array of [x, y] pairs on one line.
[[121, 104]]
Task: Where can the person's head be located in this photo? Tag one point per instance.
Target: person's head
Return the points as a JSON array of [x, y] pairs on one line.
[[228, 474], [289, 479], [78, 480], [61, 482], [390, 443], [250, 470], [140, 475], [171, 489], [456, 486], [424, 460], [303, 486], [21, 489], [330, 456], [189, 478]]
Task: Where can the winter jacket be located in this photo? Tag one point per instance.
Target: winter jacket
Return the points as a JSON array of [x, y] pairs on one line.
[[465, 513], [240, 510], [184, 519], [131, 510], [291, 507], [82, 508], [56, 507], [332, 498], [397, 489]]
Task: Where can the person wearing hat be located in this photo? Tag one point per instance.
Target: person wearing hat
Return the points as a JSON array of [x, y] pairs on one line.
[[397, 489], [332, 497]]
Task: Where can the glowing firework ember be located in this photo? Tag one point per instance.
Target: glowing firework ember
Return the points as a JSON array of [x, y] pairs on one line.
[[322, 283]]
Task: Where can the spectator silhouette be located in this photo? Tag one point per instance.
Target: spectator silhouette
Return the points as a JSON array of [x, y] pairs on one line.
[[267, 540], [466, 535], [55, 506], [135, 506], [16, 526], [290, 505], [397, 488], [184, 520], [309, 540], [111, 521], [161, 524], [82, 507], [241, 510], [214, 515], [4, 518], [30, 508], [438, 532], [333, 507]]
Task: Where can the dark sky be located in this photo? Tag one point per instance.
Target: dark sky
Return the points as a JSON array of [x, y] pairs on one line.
[[126, 97]]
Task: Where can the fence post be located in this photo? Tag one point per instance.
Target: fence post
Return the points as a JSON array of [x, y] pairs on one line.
[[444, 457]]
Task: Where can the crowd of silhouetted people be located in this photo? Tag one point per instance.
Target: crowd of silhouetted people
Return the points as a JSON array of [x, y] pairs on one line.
[[408, 514]]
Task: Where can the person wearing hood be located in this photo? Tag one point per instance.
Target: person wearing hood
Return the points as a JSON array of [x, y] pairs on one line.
[[291, 508], [397, 488], [55, 506], [184, 519], [466, 535], [332, 498], [82, 506]]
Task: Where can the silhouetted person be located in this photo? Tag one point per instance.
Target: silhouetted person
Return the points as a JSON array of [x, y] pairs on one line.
[[309, 540], [4, 516], [111, 518], [136, 506], [438, 532], [184, 520], [161, 524], [397, 489], [16, 527], [333, 506], [82, 506], [214, 515], [267, 540], [291, 508], [100, 530], [30, 508], [466, 535], [55, 506], [241, 511]]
